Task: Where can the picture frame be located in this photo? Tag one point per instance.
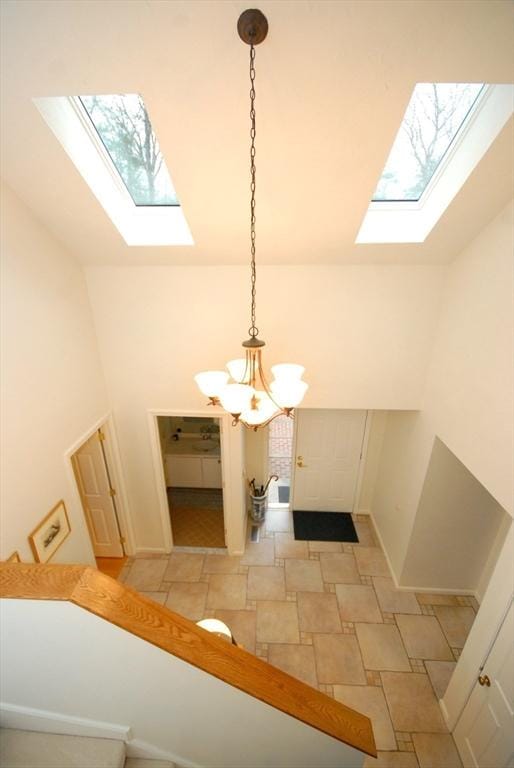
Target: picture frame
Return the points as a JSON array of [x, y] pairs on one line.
[[14, 557], [48, 536]]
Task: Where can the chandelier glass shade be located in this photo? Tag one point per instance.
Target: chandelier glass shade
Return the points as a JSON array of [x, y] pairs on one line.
[[244, 391]]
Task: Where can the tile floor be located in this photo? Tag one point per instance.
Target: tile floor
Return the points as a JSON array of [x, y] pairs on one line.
[[328, 613], [197, 517]]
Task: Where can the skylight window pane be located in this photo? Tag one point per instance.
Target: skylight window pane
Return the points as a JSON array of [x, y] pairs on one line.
[[124, 127], [434, 116]]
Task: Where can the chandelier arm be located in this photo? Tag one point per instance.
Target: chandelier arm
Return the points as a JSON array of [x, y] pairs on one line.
[[253, 367], [247, 375], [289, 412], [266, 387]]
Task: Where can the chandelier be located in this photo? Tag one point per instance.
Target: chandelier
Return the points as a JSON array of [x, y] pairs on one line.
[[244, 391]]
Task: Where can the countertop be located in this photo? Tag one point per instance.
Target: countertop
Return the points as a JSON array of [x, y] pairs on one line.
[[185, 447]]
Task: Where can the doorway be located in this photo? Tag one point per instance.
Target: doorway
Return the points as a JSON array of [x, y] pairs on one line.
[[95, 482], [192, 461], [280, 460]]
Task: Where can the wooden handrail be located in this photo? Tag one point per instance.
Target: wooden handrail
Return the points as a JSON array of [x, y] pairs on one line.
[[126, 608]]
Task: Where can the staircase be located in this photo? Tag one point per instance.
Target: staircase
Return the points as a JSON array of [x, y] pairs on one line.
[[32, 749], [143, 676]]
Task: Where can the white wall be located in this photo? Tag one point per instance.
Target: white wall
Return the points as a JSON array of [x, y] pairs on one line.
[[166, 702], [458, 519], [406, 446], [468, 402], [52, 383], [471, 378], [494, 554], [373, 451]]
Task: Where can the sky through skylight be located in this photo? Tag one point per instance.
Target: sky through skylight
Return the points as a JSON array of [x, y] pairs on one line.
[[435, 114], [124, 127]]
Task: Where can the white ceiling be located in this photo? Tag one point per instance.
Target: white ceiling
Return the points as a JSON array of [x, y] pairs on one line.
[[333, 80]]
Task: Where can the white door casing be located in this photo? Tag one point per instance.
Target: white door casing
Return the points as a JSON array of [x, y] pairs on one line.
[[484, 733], [95, 491], [328, 453]]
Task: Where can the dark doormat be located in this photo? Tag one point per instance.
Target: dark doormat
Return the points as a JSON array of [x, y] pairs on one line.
[[324, 526], [283, 494]]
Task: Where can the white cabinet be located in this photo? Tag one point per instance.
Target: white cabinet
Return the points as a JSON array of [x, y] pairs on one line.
[[183, 472], [192, 471], [211, 472]]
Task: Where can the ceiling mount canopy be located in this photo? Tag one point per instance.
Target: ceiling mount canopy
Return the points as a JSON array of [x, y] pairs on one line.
[[249, 398], [252, 26]]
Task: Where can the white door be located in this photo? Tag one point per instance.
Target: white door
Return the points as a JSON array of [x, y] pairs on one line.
[[485, 732], [97, 497], [328, 453]]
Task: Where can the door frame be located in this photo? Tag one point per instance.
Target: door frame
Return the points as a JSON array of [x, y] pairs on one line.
[[267, 472], [362, 459], [160, 477], [113, 458]]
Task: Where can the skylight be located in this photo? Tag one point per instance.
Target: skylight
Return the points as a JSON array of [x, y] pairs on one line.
[[446, 130], [110, 140], [125, 130], [435, 114]]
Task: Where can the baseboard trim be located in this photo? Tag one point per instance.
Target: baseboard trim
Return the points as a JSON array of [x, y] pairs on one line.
[[403, 587], [152, 550], [30, 719], [141, 749], [441, 591]]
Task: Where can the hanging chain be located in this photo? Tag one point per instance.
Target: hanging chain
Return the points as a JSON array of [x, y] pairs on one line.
[[253, 330]]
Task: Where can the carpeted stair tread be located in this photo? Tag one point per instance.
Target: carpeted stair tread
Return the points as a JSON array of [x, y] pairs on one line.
[[33, 749], [143, 762]]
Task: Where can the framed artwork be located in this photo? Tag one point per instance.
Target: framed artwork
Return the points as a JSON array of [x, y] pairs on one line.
[[46, 539], [14, 558]]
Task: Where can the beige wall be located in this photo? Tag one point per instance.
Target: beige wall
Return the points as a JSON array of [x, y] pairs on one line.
[[457, 519], [468, 402], [363, 333], [52, 383]]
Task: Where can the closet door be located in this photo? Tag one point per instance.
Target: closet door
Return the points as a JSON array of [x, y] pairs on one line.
[[97, 496], [485, 732]]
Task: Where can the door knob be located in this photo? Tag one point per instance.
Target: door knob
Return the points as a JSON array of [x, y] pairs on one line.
[[299, 462], [484, 680]]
